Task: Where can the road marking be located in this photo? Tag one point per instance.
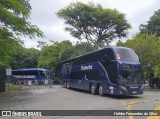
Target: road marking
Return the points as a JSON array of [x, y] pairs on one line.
[[128, 106], [155, 117], [146, 101], [132, 102]]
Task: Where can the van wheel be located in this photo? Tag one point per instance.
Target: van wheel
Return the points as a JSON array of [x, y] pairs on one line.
[[67, 85], [101, 90], [93, 89]]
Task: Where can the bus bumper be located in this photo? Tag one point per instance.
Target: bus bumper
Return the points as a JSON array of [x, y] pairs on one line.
[[125, 90], [130, 90]]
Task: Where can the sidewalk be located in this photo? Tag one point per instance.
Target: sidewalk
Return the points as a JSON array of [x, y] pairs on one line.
[[152, 90], [147, 88]]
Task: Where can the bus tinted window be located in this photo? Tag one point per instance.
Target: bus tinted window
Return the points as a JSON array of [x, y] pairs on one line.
[[25, 72], [30, 72], [92, 75], [87, 75], [126, 54], [107, 55], [76, 75], [130, 75], [112, 72]]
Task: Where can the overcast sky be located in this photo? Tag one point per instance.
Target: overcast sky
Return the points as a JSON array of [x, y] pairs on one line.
[[43, 15]]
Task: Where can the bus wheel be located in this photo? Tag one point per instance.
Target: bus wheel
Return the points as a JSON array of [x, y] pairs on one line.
[[67, 85], [101, 90], [93, 89]]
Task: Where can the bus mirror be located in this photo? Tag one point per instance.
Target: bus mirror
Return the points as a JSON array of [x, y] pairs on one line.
[[102, 60], [113, 60], [149, 66]]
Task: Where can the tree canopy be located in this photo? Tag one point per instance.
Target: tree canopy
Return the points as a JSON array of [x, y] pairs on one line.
[[147, 47], [51, 56], [97, 25], [14, 15], [147, 43], [153, 25], [24, 58], [93, 22], [13, 19]]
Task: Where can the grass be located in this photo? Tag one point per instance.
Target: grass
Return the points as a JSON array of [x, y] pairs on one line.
[[9, 89], [56, 80]]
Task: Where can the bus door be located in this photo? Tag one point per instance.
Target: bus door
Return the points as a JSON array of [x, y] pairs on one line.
[[85, 81], [74, 79], [79, 82]]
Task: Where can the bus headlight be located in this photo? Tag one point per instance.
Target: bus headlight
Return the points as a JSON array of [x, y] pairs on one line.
[[142, 87], [123, 88]]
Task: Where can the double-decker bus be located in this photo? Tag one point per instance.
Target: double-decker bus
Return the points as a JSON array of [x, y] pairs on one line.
[[111, 70], [32, 74]]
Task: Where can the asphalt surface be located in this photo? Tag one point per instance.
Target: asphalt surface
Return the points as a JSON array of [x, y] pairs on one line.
[[59, 98]]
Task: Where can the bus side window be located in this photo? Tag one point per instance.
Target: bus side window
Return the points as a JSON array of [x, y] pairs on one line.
[[92, 75], [43, 75], [76, 75], [108, 55], [111, 70]]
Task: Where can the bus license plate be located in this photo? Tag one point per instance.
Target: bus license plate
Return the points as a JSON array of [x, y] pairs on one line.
[[134, 92]]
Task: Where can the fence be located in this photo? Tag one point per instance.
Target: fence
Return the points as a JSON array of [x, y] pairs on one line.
[[23, 85], [153, 84], [2, 79]]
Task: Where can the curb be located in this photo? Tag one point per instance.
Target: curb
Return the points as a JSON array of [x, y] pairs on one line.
[[152, 90]]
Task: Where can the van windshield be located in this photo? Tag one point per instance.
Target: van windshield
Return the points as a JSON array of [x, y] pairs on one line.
[[126, 54]]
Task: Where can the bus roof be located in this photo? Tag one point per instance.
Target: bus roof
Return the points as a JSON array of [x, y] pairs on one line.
[[109, 47], [31, 69]]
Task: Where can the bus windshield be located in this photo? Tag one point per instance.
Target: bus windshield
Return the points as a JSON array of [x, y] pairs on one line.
[[126, 54], [130, 74]]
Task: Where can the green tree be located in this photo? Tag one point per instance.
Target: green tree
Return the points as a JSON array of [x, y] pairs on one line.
[[24, 58], [51, 56], [41, 44], [82, 48], [94, 23], [147, 47], [13, 24], [153, 25], [13, 18], [8, 47], [120, 43]]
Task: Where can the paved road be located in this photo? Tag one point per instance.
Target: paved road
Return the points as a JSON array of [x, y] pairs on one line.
[[59, 98]]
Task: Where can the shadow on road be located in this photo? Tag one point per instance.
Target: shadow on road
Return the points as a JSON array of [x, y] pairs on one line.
[[108, 95]]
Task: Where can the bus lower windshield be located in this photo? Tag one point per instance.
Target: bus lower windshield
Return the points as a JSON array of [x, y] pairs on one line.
[[130, 75]]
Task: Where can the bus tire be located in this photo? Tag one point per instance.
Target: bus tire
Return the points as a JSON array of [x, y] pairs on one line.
[[101, 90], [67, 84], [93, 89]]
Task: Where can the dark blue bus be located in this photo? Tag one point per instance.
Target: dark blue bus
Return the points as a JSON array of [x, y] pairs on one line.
[[111, 70], [32, 74]]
